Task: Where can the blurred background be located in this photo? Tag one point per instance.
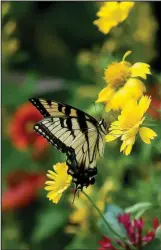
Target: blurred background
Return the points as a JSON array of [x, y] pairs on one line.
[[53, 50]]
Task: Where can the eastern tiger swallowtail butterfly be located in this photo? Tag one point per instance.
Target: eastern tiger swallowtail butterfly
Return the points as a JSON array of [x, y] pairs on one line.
[[75, 133]]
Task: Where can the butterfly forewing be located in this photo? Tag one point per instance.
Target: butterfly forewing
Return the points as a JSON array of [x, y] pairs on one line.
[[56, 109]]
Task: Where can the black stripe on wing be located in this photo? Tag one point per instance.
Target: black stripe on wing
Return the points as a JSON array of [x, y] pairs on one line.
[[83, 125], [39, 106], [64, 109]]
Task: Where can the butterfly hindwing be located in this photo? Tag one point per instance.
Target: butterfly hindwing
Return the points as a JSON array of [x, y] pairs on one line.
[[45, 128]]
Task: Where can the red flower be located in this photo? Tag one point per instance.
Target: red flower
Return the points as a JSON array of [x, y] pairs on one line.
[[134, 233], [106, 244], [22, 189], [21, 129]]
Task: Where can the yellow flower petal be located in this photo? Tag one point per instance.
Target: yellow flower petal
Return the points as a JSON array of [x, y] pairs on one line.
[[128, 149], [120, 99], [49, 183], [130, 134], [140, 69], [105, 95], [51, 176], [107, 8], [125, 8], [147, 134], [49, 188], [103, 26], [128, 124], [129, 105], [109, 137], [127, 145], [115, 123], [123, 146], [135, 88], [144, 104], [54, 197], [51, 172]]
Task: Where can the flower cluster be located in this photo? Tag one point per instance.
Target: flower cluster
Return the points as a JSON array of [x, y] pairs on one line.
[[125, 93], [134, 230], [123, 83]]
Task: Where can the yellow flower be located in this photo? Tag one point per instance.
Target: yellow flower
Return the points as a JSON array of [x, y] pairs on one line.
[[129, 124], [118, 73], [59, 182], [122, 83], [111, 14]]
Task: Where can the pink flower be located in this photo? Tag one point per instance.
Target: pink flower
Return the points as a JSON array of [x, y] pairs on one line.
[[134, 232]]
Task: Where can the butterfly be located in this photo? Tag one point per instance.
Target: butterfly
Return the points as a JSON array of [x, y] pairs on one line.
[[75, 133]]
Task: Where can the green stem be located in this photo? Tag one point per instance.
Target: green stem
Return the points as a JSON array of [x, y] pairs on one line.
[[106, 222]]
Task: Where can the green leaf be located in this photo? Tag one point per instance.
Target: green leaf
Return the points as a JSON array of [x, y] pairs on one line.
[[48, 222], [112, 211], [139, 208], [115, 210], [140, 213], [153, 245], [113, 221], [158, 233]]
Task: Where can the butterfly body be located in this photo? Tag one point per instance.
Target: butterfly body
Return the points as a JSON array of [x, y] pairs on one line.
[[75, 133]]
